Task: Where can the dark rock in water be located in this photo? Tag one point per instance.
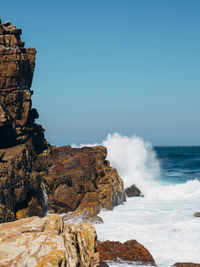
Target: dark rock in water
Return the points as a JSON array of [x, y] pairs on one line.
[[197, 214], [133, 191], [103, 264], [131, 251], [186, 264]]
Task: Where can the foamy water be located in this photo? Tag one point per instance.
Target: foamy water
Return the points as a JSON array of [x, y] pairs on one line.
[[163, 219]]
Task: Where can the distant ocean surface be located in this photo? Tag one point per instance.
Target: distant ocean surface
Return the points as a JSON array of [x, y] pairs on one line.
[[162, 220]]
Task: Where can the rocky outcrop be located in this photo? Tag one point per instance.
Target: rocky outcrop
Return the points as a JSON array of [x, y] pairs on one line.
[[17, 117], [47, 242], [82, 180], [133, 191], [77, 180], [130, 251]]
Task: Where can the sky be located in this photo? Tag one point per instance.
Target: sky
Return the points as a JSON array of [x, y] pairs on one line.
[[105, 66]]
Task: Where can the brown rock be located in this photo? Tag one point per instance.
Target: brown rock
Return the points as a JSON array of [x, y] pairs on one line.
[[47, 242], [16, 73], [197, 214], [65, 198], [20, 186], [129, 251], [133, 191], [89, 181], [103, 264], [186, 264], [6, 214]]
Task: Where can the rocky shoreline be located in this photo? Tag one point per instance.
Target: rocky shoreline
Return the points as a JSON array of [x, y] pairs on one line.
[[36, 177]]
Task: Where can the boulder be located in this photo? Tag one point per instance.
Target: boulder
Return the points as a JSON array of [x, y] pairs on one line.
[[133, 191], [81, 179], [47, 242], [131, 251], [197, 214]]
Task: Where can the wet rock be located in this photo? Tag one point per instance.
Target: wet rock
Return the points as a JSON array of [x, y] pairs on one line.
[[133, 191], [197, 214], [103, 264], [47, 242], [186, 264], [130, 251]]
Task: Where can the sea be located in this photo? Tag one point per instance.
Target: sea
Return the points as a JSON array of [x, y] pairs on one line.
[[163, 218]]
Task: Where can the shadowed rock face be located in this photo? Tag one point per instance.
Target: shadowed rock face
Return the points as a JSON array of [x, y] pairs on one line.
[[16, 72]]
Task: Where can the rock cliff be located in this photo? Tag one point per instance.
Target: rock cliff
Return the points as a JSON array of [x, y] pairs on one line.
[[16, 72], [79, 181]]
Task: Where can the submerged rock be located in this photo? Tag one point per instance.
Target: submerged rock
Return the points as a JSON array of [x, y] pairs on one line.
[[47, 242], [131, 251], [133, 191], [186, 264]]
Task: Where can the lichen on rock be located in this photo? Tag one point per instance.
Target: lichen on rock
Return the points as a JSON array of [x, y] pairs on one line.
[[47, 242]]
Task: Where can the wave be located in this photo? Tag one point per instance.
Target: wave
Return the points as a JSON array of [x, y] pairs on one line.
[[137, 163]]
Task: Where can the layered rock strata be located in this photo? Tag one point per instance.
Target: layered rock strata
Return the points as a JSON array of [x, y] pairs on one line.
[[47, 242], [16, 72]]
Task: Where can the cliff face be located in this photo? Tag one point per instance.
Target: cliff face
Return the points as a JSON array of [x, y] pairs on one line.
[[16, 72], [76, 180]]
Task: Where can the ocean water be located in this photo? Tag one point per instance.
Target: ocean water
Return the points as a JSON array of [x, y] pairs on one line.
[[163, 219]]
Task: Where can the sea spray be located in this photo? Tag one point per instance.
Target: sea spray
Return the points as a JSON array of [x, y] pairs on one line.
[[163, 219], [134, 159]]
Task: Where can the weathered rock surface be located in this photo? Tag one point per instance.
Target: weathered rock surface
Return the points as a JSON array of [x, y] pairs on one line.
[[47, 242], [20, 185], [186, 264], [16, 72], [81, 179], [6, 215], [130, 251], [133, 191], [21, 139]]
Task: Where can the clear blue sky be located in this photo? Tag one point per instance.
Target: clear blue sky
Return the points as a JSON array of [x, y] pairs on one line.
[[104, 66]]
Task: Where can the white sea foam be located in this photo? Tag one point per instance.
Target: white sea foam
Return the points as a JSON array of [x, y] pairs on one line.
[[163, 219]]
